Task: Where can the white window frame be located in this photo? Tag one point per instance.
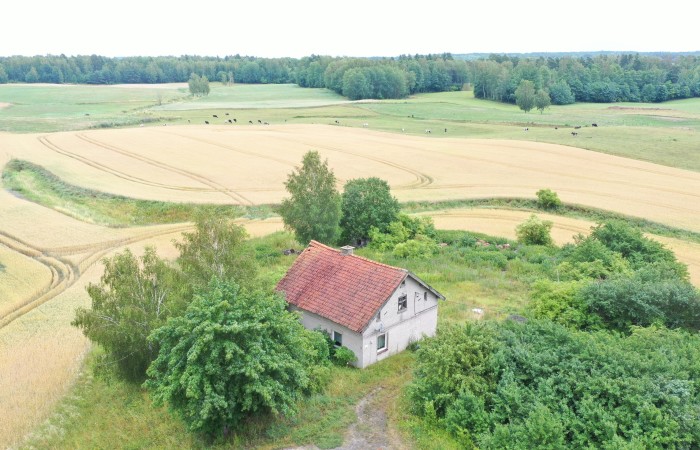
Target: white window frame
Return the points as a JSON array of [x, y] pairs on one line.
[[403, 299], [386, 342]]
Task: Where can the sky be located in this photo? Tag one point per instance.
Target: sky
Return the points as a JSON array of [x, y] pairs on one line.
[[275, 28]]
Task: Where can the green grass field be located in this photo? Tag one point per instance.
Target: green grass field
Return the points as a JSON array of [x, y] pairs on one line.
[[664, 133]]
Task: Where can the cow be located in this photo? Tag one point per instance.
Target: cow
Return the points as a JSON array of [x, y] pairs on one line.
[[594, 124], [573, 133], [215, 116], [207, 122], [250, 122]]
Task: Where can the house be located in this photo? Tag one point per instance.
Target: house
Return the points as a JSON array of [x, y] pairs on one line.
[[373, 309]]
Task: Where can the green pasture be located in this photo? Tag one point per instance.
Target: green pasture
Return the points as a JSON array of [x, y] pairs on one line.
[[664, 133]]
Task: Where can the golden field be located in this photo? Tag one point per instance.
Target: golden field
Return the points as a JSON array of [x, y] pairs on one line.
[[248, 165], [50, 257]]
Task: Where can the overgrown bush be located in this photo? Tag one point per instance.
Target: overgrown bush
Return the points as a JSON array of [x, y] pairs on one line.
[[535, 231], [343, 356], [548, 199], [541, 385]]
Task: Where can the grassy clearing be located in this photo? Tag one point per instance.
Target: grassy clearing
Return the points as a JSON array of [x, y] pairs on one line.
[[41, 186], [46, 108]]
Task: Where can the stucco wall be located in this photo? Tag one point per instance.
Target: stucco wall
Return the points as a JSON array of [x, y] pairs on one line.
[[402, 327]]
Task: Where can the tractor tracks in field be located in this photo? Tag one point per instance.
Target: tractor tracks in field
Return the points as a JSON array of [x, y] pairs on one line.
[[421, 180], [64, 273], [212, 186]]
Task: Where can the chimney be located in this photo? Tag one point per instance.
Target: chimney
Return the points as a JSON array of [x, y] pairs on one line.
[[347, 250]]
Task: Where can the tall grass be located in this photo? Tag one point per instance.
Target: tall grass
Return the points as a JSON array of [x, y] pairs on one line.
[[37, 184]]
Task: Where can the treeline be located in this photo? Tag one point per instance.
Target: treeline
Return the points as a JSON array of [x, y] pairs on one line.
[[603, 78], [598, 79], [353, 77]]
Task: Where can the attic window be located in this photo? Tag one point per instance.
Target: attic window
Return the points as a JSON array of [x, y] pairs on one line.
[[403, 303], [425, 295], [403, 283]]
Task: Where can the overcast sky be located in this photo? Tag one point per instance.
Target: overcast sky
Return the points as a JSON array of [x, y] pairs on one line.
[[299, 28]]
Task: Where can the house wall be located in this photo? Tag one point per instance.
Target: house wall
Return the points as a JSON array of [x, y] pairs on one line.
[[401, 327], [351, 339]]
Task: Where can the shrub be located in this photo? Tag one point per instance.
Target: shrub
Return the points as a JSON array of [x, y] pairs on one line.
[[343, 356], [535, 231], [548, 199]]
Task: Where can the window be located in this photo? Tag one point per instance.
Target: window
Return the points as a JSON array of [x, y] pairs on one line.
[[382, 342], [403, 303], [337, 339], [425, 296]]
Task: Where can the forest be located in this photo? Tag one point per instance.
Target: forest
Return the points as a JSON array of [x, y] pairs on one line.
[[600, 78]]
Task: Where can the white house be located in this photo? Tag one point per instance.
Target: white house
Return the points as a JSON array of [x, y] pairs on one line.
[[373, 309]]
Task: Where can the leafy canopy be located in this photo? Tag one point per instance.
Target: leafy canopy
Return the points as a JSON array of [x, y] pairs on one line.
[[366, 203], [313, 210], [134, 297], [232, 354], [216, 248]]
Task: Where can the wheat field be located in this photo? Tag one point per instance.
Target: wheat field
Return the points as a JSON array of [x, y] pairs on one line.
[[50, 257], [248, 165]]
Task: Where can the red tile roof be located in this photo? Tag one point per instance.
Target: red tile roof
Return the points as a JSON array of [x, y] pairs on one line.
[[347, 289]]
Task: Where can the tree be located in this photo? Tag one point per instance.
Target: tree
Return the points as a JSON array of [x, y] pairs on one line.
[[313, 210], [216, 249], [199, 85], [525, 95], [542, 100], [548, 199], [134, 297], [232, 354], [366, 203], [534, 231]]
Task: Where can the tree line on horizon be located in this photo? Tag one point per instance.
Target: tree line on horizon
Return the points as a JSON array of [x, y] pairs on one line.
[[601, 78]]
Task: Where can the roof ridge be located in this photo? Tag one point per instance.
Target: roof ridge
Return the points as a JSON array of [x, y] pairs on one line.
[[319, 244]]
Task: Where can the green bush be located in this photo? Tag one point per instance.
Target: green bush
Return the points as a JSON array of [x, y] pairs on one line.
[[540, 385], [559, 302], [343, 356], [548, 199], [535, 231]]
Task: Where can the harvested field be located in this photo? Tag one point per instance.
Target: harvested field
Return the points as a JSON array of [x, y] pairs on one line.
[[248, 165]]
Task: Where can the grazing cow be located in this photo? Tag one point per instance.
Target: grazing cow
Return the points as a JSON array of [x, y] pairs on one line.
[[577, 127], [402, 130], [230, 121], [234, 119], [527, 129], [427, 131], [250, 122], [266, 123], [207, 122], [215, 116], [188, 120], [365, 124], [556, 128], [259, 121], [337, 123], [573, 133], [445, 130], [594, 124], [227, 114]]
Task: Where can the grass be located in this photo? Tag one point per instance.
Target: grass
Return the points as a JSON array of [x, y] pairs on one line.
[[35, 183], [47, 108]]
